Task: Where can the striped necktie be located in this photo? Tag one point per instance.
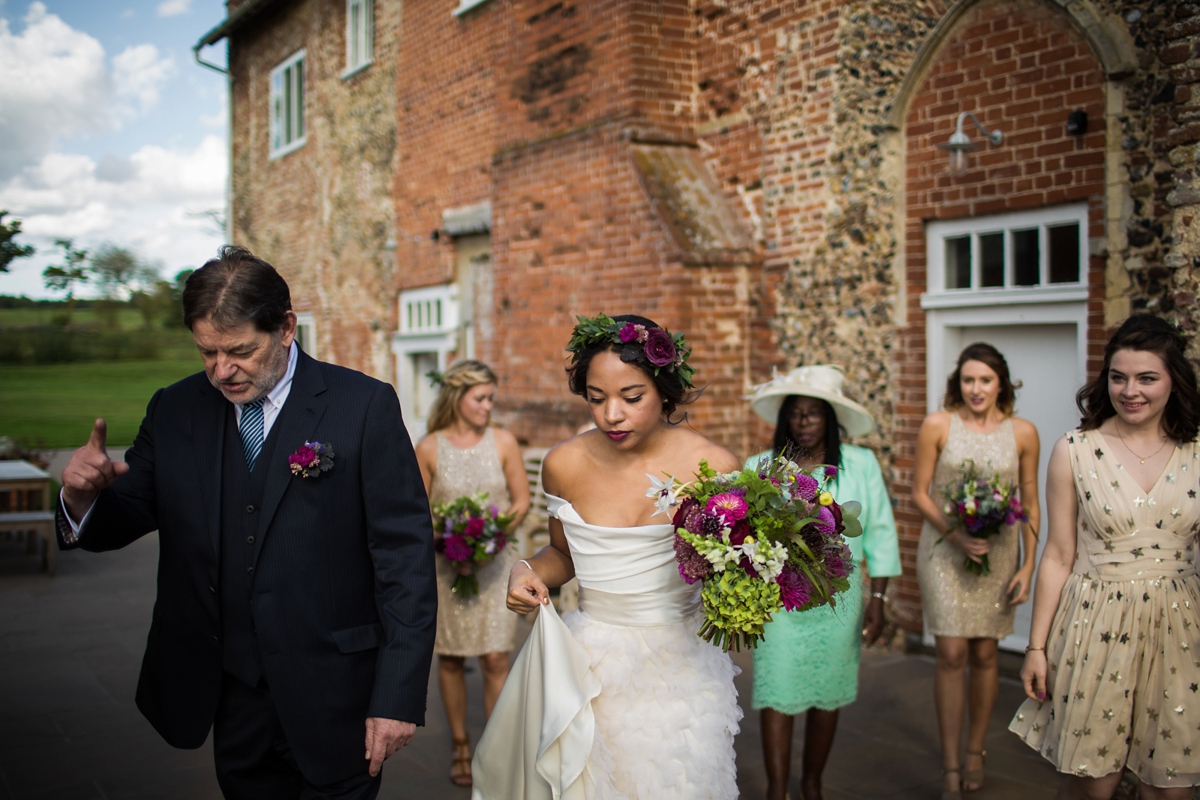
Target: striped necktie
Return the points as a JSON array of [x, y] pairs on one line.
[[251, 428]]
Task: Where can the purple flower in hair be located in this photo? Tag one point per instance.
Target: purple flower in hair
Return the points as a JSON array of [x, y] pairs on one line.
[[628, 333], [660, 350]]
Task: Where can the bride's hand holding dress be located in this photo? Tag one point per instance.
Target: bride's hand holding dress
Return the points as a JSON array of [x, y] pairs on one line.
[[620, 699]]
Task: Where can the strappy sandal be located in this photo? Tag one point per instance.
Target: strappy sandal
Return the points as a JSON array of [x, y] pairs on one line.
[[955, 794], [460, 766], [974, 776]]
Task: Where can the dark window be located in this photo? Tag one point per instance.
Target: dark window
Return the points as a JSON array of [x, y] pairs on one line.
[[958, 263], [991, 258], [1064, 253], [1026, 258]]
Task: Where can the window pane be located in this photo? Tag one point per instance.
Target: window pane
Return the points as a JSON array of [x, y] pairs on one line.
[[991, 259], [1064, 253], [958, 263], [1026, 258], [287, 105], [276, 111], [299, 70], [355, 34]]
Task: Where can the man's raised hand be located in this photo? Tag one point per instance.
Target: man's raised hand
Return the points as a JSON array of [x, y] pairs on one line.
[[89, 471]]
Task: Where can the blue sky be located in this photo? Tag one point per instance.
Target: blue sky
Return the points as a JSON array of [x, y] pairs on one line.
[[109, 131]]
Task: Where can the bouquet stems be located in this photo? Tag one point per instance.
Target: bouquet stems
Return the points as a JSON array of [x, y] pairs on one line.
[[465, 585], [980, 567]]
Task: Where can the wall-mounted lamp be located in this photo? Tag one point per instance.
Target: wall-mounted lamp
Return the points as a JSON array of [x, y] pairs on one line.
[[960, 144], [1077, 122]]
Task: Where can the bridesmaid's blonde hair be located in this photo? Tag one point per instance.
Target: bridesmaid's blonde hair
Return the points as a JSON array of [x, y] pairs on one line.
[[453, 384]]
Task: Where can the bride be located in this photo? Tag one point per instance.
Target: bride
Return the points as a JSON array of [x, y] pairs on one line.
[[630, 703]]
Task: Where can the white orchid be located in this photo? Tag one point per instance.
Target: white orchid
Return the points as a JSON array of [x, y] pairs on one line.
[[663, 493]]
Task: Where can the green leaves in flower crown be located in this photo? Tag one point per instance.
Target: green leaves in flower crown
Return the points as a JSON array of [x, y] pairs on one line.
[[654, 348]]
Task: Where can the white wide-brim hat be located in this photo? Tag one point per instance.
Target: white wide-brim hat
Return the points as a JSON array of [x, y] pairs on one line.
[[822, 381]]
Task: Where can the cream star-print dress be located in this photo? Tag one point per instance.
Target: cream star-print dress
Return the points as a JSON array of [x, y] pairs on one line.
[[1124, 650]]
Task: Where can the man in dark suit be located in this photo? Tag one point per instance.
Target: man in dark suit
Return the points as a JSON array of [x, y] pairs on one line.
[[296, 592]]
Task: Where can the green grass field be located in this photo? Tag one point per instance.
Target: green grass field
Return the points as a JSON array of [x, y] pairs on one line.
[[55, 405]]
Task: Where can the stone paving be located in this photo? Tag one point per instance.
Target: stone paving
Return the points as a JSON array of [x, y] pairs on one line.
[[70, 648]]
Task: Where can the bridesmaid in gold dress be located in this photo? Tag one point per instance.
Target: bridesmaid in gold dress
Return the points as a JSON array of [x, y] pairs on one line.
[[968, 614], [1114, 657], [463, 455]]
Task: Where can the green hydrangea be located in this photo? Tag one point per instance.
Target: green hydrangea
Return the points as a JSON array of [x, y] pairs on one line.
[[737, 608]]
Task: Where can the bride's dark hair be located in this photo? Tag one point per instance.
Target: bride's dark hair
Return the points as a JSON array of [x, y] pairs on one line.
[[668, 383]]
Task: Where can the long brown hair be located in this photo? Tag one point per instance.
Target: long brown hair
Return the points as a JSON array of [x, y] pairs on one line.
[[985, 353], [1181, 417], [455, 381]]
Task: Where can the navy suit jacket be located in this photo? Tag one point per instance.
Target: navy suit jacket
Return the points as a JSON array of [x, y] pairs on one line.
[[344, 595]]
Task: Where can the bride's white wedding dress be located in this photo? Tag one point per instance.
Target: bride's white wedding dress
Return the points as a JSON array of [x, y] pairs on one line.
[[620, 699]]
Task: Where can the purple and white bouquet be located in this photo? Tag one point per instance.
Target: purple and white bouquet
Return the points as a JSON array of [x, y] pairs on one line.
[[761, 540], [982, 505], [472, 534]]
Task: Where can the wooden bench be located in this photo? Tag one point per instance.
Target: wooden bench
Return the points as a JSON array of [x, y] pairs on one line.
[[25, 508]]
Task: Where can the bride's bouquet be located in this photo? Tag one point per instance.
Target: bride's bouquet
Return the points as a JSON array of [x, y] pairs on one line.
[[760, 540], [472, 534], [982, 505]]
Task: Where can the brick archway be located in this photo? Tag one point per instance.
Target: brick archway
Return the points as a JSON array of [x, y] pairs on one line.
[[1021, 66]]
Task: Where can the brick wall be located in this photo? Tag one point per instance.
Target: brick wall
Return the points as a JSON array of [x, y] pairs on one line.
[[446, 130], [322, 214], [1020, 67]]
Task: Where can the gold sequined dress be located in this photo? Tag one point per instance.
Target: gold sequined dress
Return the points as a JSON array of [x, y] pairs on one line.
[[480, 624], [957, 602], [1123, 657]]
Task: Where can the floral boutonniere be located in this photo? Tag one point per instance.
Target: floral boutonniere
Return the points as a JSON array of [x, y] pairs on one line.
[[311, 459]]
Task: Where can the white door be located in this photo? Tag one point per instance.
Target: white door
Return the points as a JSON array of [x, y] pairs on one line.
[[1045, 358]]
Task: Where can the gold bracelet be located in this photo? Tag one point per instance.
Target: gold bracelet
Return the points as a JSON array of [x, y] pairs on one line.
[[1030, 648]]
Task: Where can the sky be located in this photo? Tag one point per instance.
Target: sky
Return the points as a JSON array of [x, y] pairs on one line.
[[110, 132]]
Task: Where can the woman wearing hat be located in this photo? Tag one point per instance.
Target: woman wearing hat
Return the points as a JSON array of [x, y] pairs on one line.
[[809, 660]]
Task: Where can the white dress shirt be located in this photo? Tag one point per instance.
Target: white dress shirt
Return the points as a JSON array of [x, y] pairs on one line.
[[272, 405]]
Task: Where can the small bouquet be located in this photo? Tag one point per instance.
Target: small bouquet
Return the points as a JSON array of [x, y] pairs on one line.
[[761, 540], [982, 505], [472, 534]]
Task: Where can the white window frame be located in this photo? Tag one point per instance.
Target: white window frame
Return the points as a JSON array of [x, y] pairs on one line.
[[360, 39], [297, 85], [936, 232], [429, 319], [306, 331], [466, 5]]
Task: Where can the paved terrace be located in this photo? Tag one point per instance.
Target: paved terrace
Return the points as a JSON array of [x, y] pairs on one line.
[[70, 648]]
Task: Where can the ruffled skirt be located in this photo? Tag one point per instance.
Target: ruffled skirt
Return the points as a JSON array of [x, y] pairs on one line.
[[666, 714]]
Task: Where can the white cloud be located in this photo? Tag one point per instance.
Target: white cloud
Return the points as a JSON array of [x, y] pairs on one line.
[[173, 8], [139, 71], [55, 82], [143, 202], [127, 14]]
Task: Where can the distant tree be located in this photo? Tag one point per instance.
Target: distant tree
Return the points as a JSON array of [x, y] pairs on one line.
[[67, 276], [121, 275], [215, 217], [9, 249]]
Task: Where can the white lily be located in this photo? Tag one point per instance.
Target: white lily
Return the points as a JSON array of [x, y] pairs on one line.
[[663, 493]]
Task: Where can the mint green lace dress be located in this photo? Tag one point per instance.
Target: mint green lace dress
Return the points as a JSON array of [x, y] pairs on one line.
[[809, 659]]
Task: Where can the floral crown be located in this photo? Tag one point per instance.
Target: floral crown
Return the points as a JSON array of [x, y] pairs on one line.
[[657, 348]]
